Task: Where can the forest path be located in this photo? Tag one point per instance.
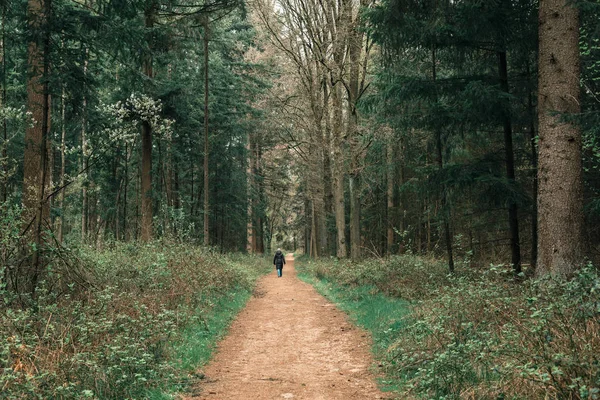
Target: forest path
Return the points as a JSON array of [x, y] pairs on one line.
[[290, 343]]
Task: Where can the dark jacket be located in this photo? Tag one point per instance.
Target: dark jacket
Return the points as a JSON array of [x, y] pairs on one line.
[[279, 259]]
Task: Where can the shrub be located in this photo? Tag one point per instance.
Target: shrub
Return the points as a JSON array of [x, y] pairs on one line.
[[404, 276], [494, 338], [483, 334], [109, 337]]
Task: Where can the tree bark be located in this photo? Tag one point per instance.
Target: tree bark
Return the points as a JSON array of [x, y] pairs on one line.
[[440, 160], [84, 160], [259, 227], [35, 165], [125, 190], [146, 179], [4, 154], [560, 195], [63, 161], [355, 38], [327, 172], [513, 218], [390, 196], [534, 183], [251, 234], [339, 202], [206, 149]]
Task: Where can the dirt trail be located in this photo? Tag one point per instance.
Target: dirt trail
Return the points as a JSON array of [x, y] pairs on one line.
[[290, 343]]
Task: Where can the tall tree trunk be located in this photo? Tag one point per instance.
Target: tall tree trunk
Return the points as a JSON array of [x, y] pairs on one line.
[[206, 205], [84, 159], [117, 225], [146, 183], [4, 154], [315, 188], [307, 224], [314, 248], [319, 203], [440, 160], [192, 200], [390, 195], [63, 162], [125, 190], [401, 207], [513, 217], [250, 229], [354, 50], [354, 185], [138, 203], [260, 243], [560, 196], [327, 172], [534, 183], [35, 165], [339, 204]]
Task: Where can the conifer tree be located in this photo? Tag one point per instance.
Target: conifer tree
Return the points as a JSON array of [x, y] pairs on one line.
[[560, 197]]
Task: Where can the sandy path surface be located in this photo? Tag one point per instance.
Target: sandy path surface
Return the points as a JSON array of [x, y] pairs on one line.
[[290, 343]]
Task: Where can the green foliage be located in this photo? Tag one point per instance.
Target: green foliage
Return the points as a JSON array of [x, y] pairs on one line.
[[406, 276], [477, 334], [113, 336], [438, 94]]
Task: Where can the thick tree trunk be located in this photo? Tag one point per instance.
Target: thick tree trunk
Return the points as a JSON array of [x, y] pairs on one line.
[[315, 186], [35, 165], [339, 203], [354, 51], [327, 172], [513, 218], [560, 196]]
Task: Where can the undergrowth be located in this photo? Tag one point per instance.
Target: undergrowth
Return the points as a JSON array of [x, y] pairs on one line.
[[478, 334], [125, 332]]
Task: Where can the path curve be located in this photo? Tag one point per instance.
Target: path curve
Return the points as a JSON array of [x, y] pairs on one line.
[[290, 343]]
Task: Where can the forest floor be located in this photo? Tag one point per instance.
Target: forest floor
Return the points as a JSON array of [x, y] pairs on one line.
[[290, 343]]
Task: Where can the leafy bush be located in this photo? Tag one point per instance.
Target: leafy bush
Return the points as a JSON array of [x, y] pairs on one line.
[[110, 338], [483, 335], [403, 276]]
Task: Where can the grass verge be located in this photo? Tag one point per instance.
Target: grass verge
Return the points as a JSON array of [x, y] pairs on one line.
[[197, 342]]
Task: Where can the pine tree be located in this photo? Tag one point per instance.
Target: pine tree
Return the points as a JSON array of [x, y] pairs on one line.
[[560, 198]]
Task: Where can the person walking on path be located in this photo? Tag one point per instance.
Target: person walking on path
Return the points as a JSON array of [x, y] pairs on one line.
[[278, 261]]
